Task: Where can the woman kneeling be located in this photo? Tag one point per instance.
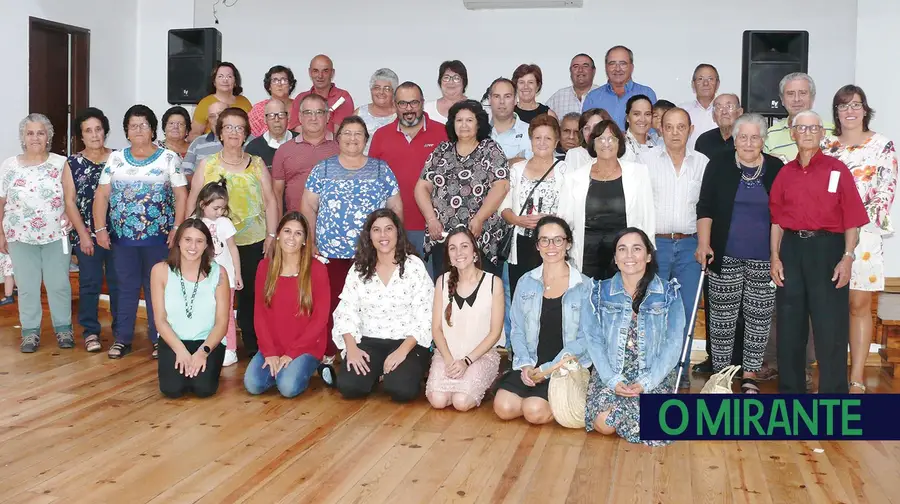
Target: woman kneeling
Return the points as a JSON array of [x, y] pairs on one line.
[[290, 314], [191, 294], [467, 322], [383, 321]]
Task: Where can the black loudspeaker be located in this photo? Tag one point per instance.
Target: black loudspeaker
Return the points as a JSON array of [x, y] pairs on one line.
[[193, 53], [769, 56]]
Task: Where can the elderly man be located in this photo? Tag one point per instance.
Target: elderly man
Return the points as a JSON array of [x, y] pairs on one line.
[[676, 173], [614, 95], [570, 136], [798, 93], [275, 135], [506, 128], [705, 84], [405, 145], [726, 109], [295, 159], [571, 99], [816, 214], [204, 145], [339, 103]]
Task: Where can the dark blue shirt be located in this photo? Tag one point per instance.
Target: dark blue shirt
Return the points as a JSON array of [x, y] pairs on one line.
[[748, 236]]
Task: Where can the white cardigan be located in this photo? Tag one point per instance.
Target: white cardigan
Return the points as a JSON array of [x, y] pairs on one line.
[[511, 201], [639, 208]]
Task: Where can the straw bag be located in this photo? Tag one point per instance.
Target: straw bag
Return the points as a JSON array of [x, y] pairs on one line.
[[567, 391], [720, 383]]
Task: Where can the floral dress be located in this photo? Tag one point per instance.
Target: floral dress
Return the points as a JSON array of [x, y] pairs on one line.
[[34, 200], [86, 175], [460, 184], [874, 167], [624, 411]]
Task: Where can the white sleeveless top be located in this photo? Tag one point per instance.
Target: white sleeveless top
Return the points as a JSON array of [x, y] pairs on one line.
[[472, 321]]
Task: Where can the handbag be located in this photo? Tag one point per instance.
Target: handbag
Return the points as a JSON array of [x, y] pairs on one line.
[[567, 391], [505, 247], [720, 383]]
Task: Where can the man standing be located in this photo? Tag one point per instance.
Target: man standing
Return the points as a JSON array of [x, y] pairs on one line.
[[705, 84], [506, 128], [798, 93], [676, 173], [726, 109], [339, 103], [571, 99], [614, 95], [570, 134], [295, 159], [816, 214], [204, 145], [275, 135], [405, 145]]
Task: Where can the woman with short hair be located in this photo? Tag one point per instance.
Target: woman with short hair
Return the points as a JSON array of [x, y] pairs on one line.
[[579, 156], [175, 123], [279, 83], [224, 86], [453, 79], [529, 80], [381, 111]]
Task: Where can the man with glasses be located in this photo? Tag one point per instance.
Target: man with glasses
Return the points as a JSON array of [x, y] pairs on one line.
[[571, 99], [614, 95], [276, 134], [798, 93], [816, 214], [338, 101], [705, 84], [405, 145], [295, 159], [204, 145], [726, 110]]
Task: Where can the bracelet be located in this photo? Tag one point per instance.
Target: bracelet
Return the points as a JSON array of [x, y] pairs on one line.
[[467, 360], [271, 235], [101, 229]]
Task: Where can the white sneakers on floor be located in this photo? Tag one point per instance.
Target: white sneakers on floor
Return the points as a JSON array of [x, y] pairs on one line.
[[230, 358]]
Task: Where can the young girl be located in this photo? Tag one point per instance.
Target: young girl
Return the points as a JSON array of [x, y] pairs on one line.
[[212, 207], [8, 283]]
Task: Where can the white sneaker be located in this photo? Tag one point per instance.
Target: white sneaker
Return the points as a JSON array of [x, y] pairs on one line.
[[230, 358]]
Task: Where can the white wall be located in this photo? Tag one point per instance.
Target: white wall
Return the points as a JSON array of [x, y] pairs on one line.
[[876, 72], [112, 24]]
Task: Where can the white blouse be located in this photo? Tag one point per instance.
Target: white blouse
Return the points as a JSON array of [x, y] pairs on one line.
[[395, 311]]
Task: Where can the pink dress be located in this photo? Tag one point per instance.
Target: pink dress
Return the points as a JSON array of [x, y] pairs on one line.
[[471, 319]]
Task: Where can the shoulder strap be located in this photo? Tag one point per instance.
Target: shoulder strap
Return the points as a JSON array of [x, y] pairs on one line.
[[525, 203]]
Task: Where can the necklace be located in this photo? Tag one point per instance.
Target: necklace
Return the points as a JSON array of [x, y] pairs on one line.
[[744, 176], [189, 305], [230, 163]]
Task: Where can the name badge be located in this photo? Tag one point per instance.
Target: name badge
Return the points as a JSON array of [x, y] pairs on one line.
[[833, 181]]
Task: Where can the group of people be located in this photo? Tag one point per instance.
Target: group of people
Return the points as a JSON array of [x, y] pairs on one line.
[[413, 238]]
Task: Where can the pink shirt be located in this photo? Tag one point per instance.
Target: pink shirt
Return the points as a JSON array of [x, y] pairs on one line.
[[292, 163], [338, 115]]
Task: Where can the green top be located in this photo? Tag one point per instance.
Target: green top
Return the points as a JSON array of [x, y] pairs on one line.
[[203, 306]]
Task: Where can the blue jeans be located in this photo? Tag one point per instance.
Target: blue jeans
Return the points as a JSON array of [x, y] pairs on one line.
[[291, 381], [676, 260], [91, 270], [132, 268], [417, 238]]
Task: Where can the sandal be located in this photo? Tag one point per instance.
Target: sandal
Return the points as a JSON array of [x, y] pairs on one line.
[[118, 350], [749, 386], [858, 385], [155, 353], [92, 343]]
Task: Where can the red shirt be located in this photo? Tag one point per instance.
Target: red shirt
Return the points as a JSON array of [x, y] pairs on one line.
[[279, 329], [800, 198], [334, 94], [292, 163], [407, 158]]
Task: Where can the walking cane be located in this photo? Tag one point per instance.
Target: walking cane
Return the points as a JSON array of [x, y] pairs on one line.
[[691, 323]]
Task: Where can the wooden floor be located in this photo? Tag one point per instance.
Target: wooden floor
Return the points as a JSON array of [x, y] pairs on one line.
[[78, 427]]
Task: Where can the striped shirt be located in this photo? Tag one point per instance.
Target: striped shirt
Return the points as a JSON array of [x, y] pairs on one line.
[[780, 144], [675, 193], [566, 101], [202, 147]]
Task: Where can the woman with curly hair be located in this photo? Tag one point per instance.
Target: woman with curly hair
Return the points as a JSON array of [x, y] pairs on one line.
[[382, 324], [467, 322]]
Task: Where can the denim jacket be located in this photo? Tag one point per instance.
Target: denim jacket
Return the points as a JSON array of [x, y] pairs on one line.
[[525, 316], [604, 326]]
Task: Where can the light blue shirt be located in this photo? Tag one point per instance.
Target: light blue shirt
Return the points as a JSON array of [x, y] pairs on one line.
[[604, 97], [514, 141]]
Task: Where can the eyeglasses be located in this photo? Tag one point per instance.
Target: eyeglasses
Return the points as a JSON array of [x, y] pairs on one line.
[[752, 139], [614, 64], [451, 78], [236, 128], [708, 80], [725, 108], [352, 134], [280, 80], [138, 127], [408, 104], [812, 128], [843, 107], [276, 115], [606, 140], [175, 125], [557, 241], [314, 113], [225, 77], [383, 89]]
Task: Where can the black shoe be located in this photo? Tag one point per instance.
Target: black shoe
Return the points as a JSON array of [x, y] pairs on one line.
[[704, 367]]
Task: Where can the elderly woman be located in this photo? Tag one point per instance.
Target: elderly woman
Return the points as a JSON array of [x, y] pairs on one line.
[[381, 111], [175, 130], [252, 205], [733, 235], [94, 263], [453, 78], [32, 231], [873, 162], [279, 83], [579, 156], [225, 87], [463, 183], [638, 123], [529, 80], [602, 197], [143, 192], [534, 191]]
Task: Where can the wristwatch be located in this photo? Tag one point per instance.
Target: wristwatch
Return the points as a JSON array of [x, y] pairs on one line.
[[206, 349], [851, 255]]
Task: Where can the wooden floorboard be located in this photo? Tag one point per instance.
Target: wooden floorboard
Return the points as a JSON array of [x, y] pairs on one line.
[[78, 427]]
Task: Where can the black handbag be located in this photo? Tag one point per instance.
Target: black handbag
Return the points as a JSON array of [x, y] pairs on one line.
[[505, 246]]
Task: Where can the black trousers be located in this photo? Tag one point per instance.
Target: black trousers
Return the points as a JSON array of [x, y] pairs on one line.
[[403, 384], [174, 384], [527, 258], [809, 294], [250, 257]]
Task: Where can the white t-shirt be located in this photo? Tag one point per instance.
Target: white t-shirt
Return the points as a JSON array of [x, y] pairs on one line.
[[221, 230]]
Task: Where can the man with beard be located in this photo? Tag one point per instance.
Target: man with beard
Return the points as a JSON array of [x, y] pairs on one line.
[[571, 99], [404, 145]]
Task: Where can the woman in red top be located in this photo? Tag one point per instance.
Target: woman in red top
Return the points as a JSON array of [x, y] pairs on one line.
[[292, 301]]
